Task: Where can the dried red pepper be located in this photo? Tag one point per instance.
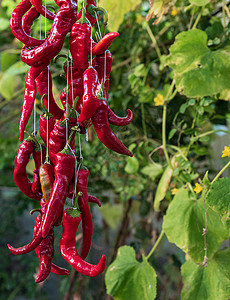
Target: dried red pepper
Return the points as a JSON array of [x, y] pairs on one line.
[[69, 251], [28, 20], [42, 9], [104, 43]]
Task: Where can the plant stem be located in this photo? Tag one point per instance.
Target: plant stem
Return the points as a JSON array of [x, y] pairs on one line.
[[153, 39], [197, 20], [164, 134], [221, 171], [143, 119], [156, 244], [224, 15]]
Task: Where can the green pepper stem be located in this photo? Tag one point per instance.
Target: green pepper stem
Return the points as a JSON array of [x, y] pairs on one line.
[[47, 114], [91, 9], [33, 139]]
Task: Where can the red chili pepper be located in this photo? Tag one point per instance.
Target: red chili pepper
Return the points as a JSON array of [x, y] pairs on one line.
[[39, 155], [99, 63], [29, 98], [46, 175], [28, 20], [91, 9], [91, 19], [104, 132], [118, 121], [78, 42], [43, 81], [62, 24], [20, 176], [69, 251], [16, 25], [87, 223], [42, 10], [104, 43], [63, 173], [90, 100], [43, 126]]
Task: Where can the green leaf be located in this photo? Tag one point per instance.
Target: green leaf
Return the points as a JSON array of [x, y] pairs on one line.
[[199, 2], [126, 278], [184, 223], [4, 24], [211, 282], [152, 170], [162, 187], [112, 214], [116, 11], [218, 198], [172, 133], [7, 80], [132, 165], [198, 71]]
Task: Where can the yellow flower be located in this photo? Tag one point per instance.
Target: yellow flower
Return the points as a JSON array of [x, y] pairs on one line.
[[159, 100], [198, 188], [174, 191], [226, 152], [174, 12]]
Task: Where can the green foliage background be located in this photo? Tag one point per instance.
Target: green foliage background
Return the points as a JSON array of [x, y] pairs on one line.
[[188, 48]]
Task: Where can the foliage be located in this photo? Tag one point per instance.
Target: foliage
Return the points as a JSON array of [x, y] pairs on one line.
[[183, 60]]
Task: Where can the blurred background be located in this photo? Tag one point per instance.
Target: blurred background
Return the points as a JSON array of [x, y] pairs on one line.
[[126, 186]]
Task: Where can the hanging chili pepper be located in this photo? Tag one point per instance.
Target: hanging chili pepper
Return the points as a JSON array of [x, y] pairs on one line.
[[39, 155], [46, 175], [104, 43], [62, 24], [63, 173], [91, 9], [29, 98], [42, 9], [69, 251], [118, 121], [16, 25], [104, 132], [44, 85], [87, 222], [90, 101], [78, 42], [20, 176], [28, 20]]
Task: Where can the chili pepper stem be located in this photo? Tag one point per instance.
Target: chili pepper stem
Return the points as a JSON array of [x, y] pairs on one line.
[[47, 114]]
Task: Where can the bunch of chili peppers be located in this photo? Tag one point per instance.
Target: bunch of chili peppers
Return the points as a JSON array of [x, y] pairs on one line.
[[59, 173]]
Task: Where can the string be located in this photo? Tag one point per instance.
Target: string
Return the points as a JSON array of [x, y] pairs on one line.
[[67, 95], [45, 18], [91, 49], [98, 25], [47, 117]]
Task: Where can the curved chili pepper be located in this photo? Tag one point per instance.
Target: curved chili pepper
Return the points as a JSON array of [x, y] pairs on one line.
[[43, 81], [28, 20], [62, 24], [43, 127], [87, 222], [39, 155], [37, 238], [63, 173], [69, 251], [94, 199], [104, 132], [42, 10], [118, 121], [99, 63], [90, 100], [20, 176], [78, 42], [29, 98], [16, 25], [104, 43]]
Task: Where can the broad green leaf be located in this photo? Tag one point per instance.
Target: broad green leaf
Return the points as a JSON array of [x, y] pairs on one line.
[[112, 214], [7, 60], [4, 24], [152, 170], [126, 278], [184, 223], [199, 2], [207, 283], [157, 9], [218, 199], [132, 165], [162, 187], [116, 11], [7, 80], [198, 71]]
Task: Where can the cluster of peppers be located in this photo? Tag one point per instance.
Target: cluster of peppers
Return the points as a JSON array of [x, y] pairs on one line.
[[58, 174]]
